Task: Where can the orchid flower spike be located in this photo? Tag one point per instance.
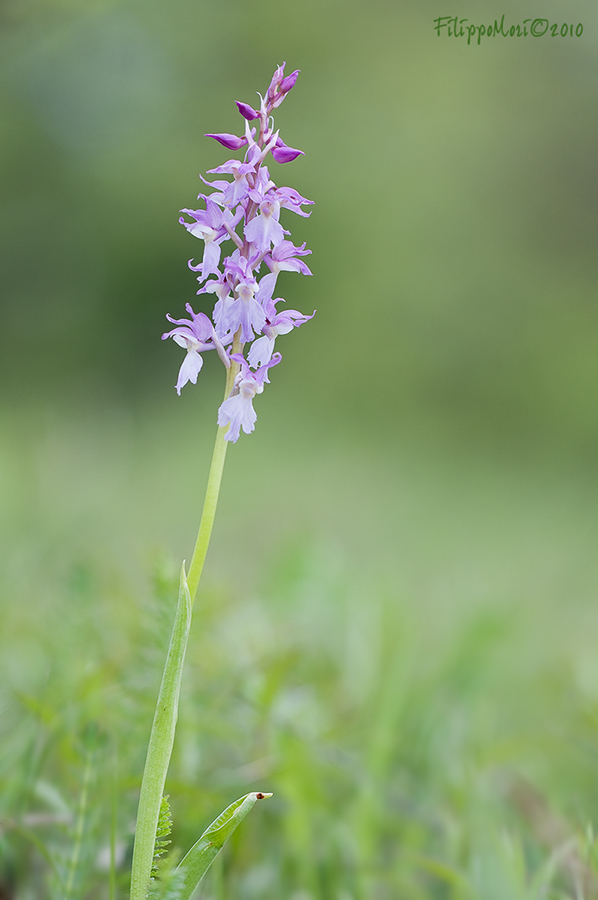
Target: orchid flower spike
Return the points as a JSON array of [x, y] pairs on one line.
[[244, 211]]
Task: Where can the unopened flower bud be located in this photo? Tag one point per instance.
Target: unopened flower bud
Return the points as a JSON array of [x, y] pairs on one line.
[[289, 82], [284, 154], [247, 111], [230, 141]]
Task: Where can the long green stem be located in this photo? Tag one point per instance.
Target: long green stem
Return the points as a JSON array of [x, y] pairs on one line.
[[208, 514], [163, 728], [212, 490]]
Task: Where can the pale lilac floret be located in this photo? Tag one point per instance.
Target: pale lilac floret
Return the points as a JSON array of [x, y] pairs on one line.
[[212, 225], [195, 336], [292, 199], [245, 309], [222, 288], [239, 267], [222, 318], [237, 410], [276, 323], [266, 289], [283, 258], [217, 196], [246, 312], [236, 190], [265, 229], [262, 186]]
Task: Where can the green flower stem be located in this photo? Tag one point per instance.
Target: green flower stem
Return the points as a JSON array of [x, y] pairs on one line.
[[163, 728], [208, 514], [213, 489]]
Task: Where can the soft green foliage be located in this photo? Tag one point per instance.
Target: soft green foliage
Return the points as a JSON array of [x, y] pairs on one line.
[[169, 882], [418, 688], [162, 833]]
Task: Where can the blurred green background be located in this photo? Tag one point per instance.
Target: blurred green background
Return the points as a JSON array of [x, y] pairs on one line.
[[413, 524]]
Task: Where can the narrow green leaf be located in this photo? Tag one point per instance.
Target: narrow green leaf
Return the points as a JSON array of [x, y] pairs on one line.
[[160, 747], [202, 854]]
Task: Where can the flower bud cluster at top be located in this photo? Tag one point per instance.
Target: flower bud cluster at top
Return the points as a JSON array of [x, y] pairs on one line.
[[245, 210]]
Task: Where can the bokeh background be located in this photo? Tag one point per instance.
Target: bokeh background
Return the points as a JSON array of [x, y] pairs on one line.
[[412, 526]]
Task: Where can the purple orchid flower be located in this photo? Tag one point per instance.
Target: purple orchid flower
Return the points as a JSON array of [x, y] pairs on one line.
[[245, 312], [292, 199], [195, 335], [233, 192], [265, 230], [283, 258], [213, 225], [277, 323], [237, 410]]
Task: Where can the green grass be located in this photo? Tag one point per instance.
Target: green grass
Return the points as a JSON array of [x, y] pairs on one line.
[[403, 652]]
